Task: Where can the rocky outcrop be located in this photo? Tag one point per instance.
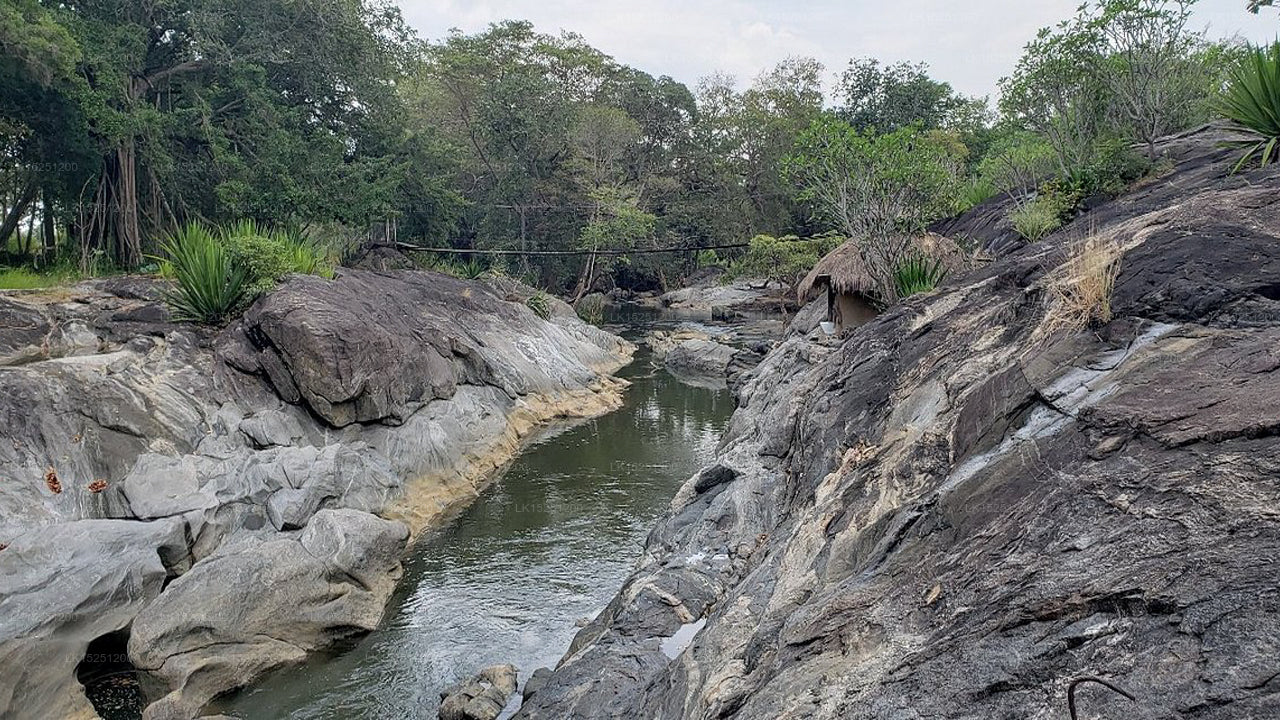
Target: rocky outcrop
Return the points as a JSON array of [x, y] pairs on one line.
[[232, 499], [956, 513], [482, 697], [709, 298]]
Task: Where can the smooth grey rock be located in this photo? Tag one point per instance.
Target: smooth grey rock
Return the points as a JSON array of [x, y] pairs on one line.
[[140, 418], [160, 486], [62, 587], [271, 428], [265, 604]]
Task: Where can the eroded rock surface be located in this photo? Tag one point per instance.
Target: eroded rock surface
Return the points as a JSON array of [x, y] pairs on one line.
[[955, 514], [221, 495]]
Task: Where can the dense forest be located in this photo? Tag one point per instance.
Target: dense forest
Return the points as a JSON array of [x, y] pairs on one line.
[[122, 121]]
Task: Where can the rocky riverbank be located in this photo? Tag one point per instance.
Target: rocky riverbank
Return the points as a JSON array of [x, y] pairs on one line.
[[959, 513], [228, 502]]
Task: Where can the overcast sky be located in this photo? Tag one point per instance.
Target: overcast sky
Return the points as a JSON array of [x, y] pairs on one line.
[[969, 44]]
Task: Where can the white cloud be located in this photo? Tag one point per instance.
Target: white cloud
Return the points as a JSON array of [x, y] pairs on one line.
[[969, 44]]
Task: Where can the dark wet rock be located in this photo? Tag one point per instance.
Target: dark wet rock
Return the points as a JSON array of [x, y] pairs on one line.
[[713, 477], [953, 513], [481, 697], [536, 682]]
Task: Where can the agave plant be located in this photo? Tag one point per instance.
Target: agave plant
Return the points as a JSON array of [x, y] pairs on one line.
[[210, 286], [1252, 103], [917, 274]]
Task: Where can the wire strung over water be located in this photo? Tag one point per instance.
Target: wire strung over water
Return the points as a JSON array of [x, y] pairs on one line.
[[603, 251]]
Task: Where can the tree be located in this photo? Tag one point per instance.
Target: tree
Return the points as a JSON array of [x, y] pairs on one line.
[[888, 97], [1053, 92], [1256, 5], [880, 190], [1148, 61]]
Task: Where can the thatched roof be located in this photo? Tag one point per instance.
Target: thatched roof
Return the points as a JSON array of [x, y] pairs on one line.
[[845, 271]]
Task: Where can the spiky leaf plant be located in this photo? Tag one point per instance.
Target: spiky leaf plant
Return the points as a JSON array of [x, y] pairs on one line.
[[918, 274], [1252, 103], [210, 286]]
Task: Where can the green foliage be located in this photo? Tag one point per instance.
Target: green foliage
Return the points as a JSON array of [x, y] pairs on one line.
[[1112, 167], [878, 189], [471, 269], [785, 260], [1127, 68], [540, 304], [264, 259], [1017, 163], [889, 97], [1036, 219], [918, 274], [1252, 103], [26, 279], [209, 286], [972, 193], [708, 259], [591, 309]]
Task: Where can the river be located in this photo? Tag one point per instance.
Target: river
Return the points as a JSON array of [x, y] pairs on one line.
[[510, 576]]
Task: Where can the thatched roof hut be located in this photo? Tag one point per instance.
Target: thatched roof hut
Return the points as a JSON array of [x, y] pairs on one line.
[[845, 272]]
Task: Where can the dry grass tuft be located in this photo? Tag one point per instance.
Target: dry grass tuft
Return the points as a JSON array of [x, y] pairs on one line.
[[1079, 292]]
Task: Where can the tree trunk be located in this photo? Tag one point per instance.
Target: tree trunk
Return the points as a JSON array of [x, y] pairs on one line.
[[48, 245], [121, 172], [16, 212]]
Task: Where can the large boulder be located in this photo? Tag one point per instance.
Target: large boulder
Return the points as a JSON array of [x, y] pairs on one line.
[[960, 513], [375, 347], [265, 604]]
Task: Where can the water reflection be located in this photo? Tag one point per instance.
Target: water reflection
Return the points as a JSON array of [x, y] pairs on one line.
[[507, 578]]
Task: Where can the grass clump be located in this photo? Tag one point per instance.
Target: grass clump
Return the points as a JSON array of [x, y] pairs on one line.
[[27, 279], [1034, 220], [1079, 292], [1252, 103], [540, 304], [210, 286]]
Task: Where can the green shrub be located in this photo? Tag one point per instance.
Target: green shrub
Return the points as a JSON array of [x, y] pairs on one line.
[[1018, 163], [268, 256], [210, 285], [263, 259], [784, 260], [973, 193], [540, 304], [469, 270], [1038, 218], [1252, 103], [918, 274], [708, 258], [591, 309], [1113, 166]]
